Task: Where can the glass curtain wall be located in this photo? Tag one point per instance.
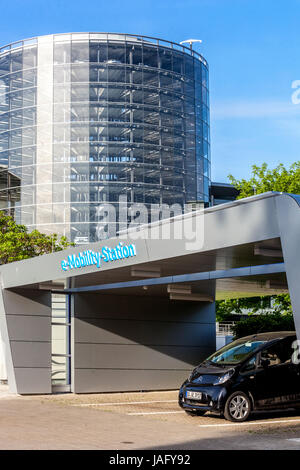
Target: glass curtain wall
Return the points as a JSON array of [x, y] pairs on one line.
[[18, 81], [130, 117]]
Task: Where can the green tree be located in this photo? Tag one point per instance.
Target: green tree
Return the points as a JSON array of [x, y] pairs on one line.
[[282, 304], [17, 243], [263, 179], [229, 309]]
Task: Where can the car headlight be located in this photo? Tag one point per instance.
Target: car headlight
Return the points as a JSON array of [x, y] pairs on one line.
[[224, 378]]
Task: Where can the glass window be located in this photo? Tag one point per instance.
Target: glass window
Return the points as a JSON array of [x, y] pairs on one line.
[[62, 53], [279, 353], [178, 84], [60, 340], [137, 57], [178, 63], [189, 66], [178, 123], [138, 135], [4, 64], [116, 53], [205, 185], [166, 119], [178, 104], [165, 80], [151, 97], [29, 78], [250, 365], [152, 156], [205, 96], [97, 93], [116, 114], [80, 52], [197, 69], [137, 76], [204, 75], [150, 78], [189, 88], [116, 74], [80, 73], [16, 61], [166, 100], [116, 94], [198, 91], [150, 57], [151, 117], [101, 74], [98, 52], [235, 352], [138, 115], [165, 59]]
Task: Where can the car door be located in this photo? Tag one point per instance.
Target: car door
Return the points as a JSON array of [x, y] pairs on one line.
[[274, 377], [247, 376]]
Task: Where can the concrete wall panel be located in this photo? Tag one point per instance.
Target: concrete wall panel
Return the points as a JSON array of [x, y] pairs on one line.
[[29, 354], [32, 380], [125, 356], [27, 301], [27, 315], [29, 328], [129, 331], [138, 343], [89, 380], [143, 308]]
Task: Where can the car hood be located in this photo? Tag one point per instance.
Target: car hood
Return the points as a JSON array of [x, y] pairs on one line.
[[211, 369], [207, 374]]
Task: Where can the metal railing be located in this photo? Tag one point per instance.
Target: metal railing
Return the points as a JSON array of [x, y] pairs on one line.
[[224, 328], [105, 36]]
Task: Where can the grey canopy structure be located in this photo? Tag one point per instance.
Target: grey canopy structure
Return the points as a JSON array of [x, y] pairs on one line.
[[141, 310]]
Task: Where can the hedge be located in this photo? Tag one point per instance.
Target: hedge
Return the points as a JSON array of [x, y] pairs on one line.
[[262, 323]]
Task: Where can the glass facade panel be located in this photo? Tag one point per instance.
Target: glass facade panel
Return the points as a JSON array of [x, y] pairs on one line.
[[119, 115], [60, 341]]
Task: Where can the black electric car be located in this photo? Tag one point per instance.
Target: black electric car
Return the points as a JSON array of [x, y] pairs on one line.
[[256, 372]]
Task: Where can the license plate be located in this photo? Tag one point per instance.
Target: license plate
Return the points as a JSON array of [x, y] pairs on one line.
[[193, 395]]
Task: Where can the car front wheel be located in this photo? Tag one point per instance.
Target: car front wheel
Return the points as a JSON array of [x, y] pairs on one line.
[[237, 407]]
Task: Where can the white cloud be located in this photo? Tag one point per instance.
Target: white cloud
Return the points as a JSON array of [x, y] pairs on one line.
[[254, 109]]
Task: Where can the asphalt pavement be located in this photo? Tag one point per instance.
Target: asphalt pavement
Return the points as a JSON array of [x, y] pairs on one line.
[[139, 421]]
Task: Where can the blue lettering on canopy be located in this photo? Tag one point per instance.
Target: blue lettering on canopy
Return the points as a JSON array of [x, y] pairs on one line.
[[90, 257]]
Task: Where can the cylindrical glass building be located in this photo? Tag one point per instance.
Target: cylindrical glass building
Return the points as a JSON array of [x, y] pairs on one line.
[[87, 117]]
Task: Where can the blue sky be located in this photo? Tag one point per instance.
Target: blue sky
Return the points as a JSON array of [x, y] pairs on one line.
[[253, 50]]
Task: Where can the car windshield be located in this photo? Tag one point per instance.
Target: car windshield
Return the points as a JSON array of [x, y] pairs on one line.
[[235, 352]]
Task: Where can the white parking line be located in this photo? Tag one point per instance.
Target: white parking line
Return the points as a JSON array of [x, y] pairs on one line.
[[156, 413], [250, 423], [127, 403]]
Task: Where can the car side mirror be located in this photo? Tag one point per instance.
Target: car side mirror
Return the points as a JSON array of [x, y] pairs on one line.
[[265, 363]]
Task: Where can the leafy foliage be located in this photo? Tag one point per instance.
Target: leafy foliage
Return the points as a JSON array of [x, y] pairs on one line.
[[261, 323], [16, 243], [227, 310], [282, 304], [263, 179]]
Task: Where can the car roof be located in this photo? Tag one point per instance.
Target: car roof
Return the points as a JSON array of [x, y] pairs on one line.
[[269, 336]]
